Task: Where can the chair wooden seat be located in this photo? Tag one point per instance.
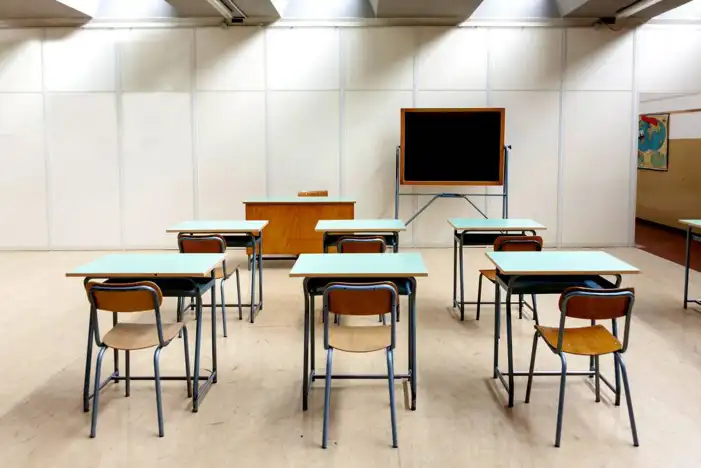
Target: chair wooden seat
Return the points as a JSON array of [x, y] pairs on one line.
[[491, 275], [133, 336], [584, 341], [362, 339]]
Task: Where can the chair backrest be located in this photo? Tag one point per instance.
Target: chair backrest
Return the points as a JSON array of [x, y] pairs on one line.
[[360, 299], [141, 296], [314, 193], [201, 244], [352, 244], [125, 297], [597, 304], [518, 244]]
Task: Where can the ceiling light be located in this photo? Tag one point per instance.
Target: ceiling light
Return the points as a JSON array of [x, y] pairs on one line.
[[636, 7]]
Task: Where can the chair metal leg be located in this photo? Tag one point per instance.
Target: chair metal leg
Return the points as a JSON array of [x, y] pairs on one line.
[[179, 314], [127, 364], [532, 367], [624, 372], [455, 270], [188, 376], [88, 365], [535, 309], [96, 390], [238, 293], [157, 379], [327, 398], [390, 380], [597, 379], [520, 306], [617, 383], [223, 307], [561, 402], [479, 299]]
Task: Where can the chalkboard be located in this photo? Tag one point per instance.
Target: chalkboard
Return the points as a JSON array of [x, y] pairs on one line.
[[452, 146]]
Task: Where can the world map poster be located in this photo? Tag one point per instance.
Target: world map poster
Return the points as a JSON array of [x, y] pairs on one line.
[[653, 142]]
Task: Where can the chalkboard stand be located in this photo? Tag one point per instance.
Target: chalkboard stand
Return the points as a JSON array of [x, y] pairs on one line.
[[504, 193]]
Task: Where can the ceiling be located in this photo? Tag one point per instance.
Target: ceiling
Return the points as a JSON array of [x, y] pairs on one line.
[[272, 10]]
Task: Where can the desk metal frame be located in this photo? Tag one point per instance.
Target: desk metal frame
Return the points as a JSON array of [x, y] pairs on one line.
[[314, 286], [540, 284], [687, 264], [170, 287]]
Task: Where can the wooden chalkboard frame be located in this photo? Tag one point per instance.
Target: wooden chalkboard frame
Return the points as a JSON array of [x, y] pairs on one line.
[[403, 181]]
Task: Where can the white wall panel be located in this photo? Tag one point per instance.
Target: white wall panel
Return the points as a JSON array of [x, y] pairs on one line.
[[158, 172], [532, 129], [20, 60], [23, 177], [597, 162], [599, 60], [78, 60], [372, 121], [378, 58], [452, 59], [525, 59], [303, 59], [82, 143], [668, 60], [431, 228], [230, 148], [156, 59], [230, 59], [304, 141]]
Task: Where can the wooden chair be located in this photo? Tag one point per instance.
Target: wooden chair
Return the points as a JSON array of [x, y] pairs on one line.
[[510, 244], [360, 244], [592, 341], [360, 299], [118, 298], [314, 193], [212, 244]]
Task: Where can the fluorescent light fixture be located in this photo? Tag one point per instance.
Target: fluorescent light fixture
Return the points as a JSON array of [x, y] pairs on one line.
[[636, 7], [223, 10]]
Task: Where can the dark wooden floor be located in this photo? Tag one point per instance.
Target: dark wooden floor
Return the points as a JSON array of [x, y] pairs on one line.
[[666, 242]]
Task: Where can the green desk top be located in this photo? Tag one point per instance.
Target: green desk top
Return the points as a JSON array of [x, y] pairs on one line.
[[494, 224], [387, 265], [219, 226], [560, 263], [691, 222], [360, 225], [294, 200], [145, 265]]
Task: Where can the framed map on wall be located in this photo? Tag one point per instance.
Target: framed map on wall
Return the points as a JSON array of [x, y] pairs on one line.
[[653, 142]]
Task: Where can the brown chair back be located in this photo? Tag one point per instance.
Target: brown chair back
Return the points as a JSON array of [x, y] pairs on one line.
[[361, 302], [518, 244], [597, 304], [361, 245], [125, 297], [314, 193], [201, 244]]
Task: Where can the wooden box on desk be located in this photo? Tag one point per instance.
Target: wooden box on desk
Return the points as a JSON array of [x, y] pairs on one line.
[[292, 221]]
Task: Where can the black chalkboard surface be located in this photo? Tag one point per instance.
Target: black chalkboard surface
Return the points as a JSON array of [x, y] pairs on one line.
[[452, 146]]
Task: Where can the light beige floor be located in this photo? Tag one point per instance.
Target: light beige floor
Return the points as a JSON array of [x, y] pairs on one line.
[[253, 416]]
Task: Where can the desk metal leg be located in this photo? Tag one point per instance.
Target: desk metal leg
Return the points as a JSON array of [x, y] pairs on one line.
[[198, 352], [396, 242], [213, 292], [509, 349], [412, 344], [497, 328], [312, 338], [260, 270], [88, 364], [687, 266], [254, 264], [455, 269], [305, 367], [462, 281]]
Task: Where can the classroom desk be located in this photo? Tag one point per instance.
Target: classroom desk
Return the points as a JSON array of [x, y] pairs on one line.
[[318, 270], [178, 275], [237, 233], [334, 230], [293, 220], [691, 224], [483, 232], [547, 272]]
